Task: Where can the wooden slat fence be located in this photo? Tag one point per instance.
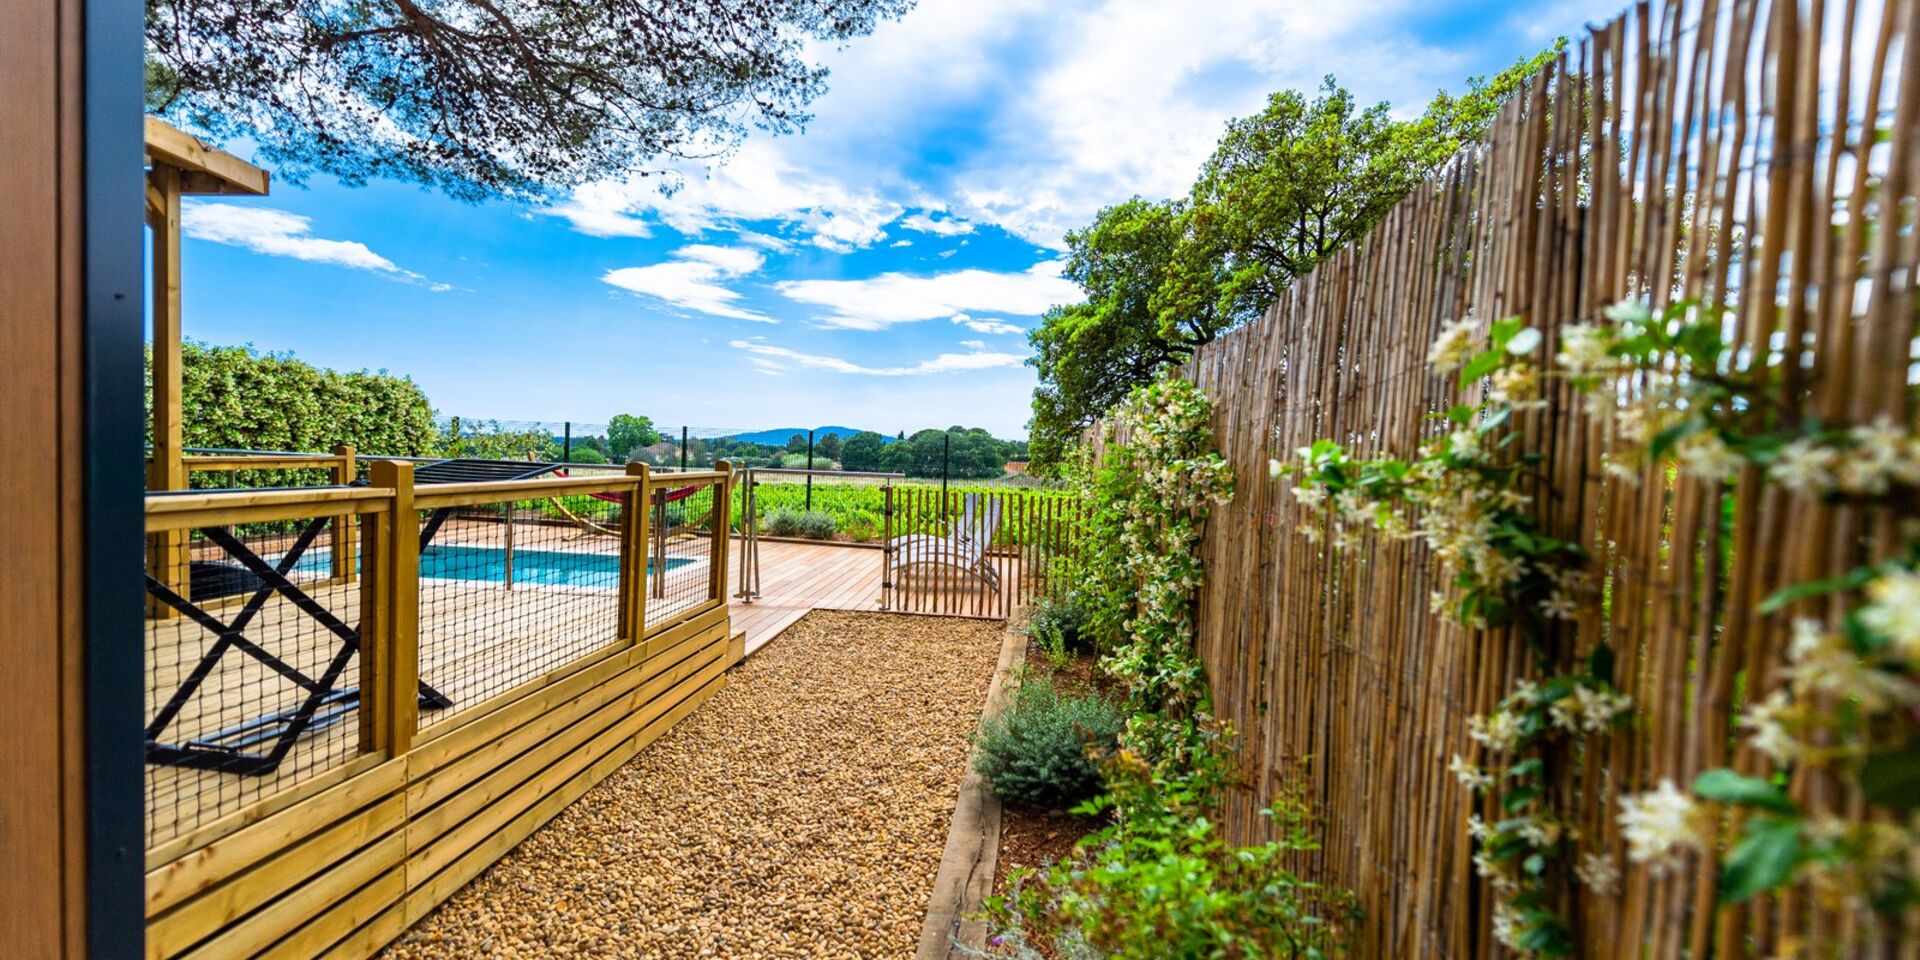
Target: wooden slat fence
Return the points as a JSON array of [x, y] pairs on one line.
[[1757, 154], [1032, 530]]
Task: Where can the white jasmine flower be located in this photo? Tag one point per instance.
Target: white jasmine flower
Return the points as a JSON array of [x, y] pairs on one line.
[[1463, 443], [1629, 311], [1766, 719], [1310, 497], [1824, 662], [1526, 691], [1620, 471], [1507, 926], [1658, 825], [1477, 828], [1540, 832], [1498, 730], [1275, 468], [1526, 340], [1348, 502], [1454, 345], [1803, 466], [1583, 350], [1893, 611], [1559, 606], [1588, 710], [1598, 872], [1470, 776], [1706, 456]]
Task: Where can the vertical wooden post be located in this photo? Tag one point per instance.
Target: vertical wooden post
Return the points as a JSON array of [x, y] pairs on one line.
[[506, 557], [722, 527], [167, 552], [886, 551], [633, 554], [390, 699], [344, 471]]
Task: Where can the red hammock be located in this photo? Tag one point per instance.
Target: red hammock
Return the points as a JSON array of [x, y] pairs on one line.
[[659, 497]]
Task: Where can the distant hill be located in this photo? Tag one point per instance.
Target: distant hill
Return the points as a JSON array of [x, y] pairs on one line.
[[778, 437]]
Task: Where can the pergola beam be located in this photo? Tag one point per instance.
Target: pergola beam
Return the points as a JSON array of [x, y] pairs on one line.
[[178, 165]]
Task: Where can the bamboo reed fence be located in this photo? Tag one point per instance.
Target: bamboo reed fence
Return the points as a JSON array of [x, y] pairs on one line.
[[1759, 155]]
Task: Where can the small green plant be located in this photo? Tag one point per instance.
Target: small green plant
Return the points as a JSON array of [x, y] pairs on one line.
[[811, 524], [1061, 625], [1161, 883], [1040, 750]]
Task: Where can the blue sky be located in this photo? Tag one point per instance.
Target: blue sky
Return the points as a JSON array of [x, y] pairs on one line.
[[879, 270]]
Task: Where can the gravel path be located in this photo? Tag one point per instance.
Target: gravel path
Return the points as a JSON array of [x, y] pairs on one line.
[[799, 813]]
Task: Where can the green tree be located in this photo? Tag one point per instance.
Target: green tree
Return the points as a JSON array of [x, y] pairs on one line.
[[828, 447], [627, 433], [862, 451], [486, 98], [1284, 188]]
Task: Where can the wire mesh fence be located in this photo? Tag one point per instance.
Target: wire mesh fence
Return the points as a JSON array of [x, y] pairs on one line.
[[512, 591], [251, 669], [681, 554]]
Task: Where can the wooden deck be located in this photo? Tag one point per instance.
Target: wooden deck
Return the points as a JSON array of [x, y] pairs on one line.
[[798, 577]]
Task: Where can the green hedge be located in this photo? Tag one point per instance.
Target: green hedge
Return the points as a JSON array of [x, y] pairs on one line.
[[240, 398]]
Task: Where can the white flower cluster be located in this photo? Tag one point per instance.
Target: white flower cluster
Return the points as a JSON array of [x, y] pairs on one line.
[[1454, 346], [1470, 776], [1588, 709], [1893, 611], [1824, 662], [1659, 825], [1498, 731], [1598, 872]]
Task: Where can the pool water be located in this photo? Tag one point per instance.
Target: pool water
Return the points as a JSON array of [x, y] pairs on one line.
[[549, 568]]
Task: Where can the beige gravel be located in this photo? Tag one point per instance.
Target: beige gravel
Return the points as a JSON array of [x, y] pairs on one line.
[[799, 813]]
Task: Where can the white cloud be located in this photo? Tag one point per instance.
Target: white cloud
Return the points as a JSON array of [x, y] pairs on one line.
[[947, 226], [974, 344], [278, 233], [986, 326], [944, 363], [754, 184], [878, 302], [693, 280], [901, 243]]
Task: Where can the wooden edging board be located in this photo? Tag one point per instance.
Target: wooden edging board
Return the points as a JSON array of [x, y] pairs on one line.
[[965, 878]]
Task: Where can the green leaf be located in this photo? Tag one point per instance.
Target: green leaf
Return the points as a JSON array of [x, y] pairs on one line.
[[1765, 857], [1852, 580], [1891, 778], [1600, 664], [1481, 365], [1503, 330], [1460, 413], [1732, 788], [1516, 800]]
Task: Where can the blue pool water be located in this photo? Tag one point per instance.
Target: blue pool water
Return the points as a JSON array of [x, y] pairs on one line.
[[551, 568]]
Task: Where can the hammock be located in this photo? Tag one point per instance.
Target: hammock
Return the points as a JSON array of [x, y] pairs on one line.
[[586, 526]]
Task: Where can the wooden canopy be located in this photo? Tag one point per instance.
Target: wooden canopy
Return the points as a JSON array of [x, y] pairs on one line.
[[178, 165]]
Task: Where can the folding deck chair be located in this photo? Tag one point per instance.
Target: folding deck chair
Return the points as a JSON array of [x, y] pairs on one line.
[[964, 550]]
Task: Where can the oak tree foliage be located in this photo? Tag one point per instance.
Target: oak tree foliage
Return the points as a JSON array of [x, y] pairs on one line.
[[1283, 189]]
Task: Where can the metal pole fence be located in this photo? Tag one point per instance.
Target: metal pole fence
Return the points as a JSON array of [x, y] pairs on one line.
[[809, 470]]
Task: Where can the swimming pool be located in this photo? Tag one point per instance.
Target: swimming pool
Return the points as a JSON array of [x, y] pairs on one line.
[[547, 568]]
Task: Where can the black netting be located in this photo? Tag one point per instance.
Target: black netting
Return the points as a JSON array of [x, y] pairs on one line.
[[511, 592], [251, 668]]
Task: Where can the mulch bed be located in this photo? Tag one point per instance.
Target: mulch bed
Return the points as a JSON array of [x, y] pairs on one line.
[[802, 812]]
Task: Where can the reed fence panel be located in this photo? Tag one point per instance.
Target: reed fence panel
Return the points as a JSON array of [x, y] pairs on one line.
[[1760, 155]]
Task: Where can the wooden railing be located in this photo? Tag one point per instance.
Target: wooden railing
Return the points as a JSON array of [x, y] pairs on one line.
[[333, 749]]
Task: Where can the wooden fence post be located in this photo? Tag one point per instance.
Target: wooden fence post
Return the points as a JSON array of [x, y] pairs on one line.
[[390, 703], [344, 568], [633, 553], [722, 527]]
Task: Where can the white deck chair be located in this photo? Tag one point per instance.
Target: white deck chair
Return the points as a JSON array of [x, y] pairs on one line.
[[965, 550], [969, 511]]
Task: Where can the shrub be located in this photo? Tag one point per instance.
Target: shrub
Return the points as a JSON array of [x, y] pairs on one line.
[[811, 524], [1035, 751], [1061, 624], [1160, 883]]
